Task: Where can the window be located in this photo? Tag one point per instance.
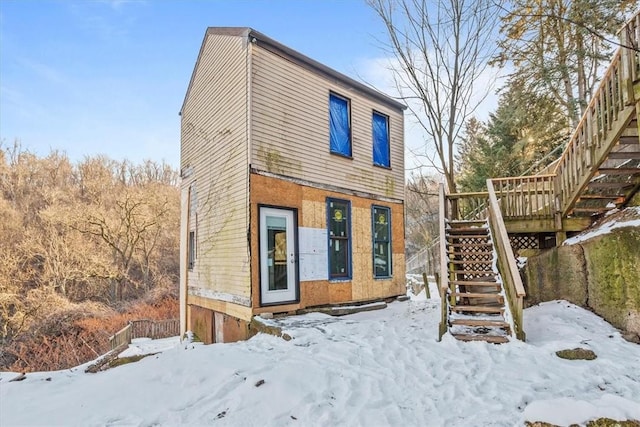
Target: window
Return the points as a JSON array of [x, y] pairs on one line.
[[381, 219], [339, 125], [339, 228], [192, 249], [380, 131]]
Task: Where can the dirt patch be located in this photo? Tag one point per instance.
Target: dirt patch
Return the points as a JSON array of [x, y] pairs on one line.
[[576, 354]]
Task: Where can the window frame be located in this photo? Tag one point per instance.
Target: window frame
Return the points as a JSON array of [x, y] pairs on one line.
[[388, 139], [349, 124], [375, 240], [347, 239]]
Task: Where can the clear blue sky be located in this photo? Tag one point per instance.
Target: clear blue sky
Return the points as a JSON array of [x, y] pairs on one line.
[[109, 76]]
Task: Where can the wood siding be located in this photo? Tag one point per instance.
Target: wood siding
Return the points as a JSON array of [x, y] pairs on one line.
[[290, 129], [214, 158]]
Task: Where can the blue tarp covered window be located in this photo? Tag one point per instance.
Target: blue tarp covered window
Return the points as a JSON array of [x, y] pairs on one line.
[[339, 125], [380, 125]]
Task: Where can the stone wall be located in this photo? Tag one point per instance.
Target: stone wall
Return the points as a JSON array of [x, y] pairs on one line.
[[601, 274]]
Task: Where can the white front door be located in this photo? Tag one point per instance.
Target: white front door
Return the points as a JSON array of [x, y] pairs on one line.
[[277, 256]]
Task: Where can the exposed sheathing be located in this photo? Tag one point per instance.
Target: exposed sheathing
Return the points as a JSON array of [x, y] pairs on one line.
[[290, 129], [214, 153], [311, 205]]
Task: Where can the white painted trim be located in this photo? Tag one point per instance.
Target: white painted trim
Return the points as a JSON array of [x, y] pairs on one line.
[[220, 296]]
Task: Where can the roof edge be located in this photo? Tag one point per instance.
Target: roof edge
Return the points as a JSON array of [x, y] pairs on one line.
[[280, 49], [307, 62]]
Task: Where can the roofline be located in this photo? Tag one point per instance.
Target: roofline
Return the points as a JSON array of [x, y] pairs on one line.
[[307, 62], [278, 48]]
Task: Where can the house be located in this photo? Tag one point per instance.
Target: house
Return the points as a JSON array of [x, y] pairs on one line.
[[292, 187]]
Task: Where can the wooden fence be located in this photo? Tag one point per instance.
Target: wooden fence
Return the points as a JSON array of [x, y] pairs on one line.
[[154, 329]]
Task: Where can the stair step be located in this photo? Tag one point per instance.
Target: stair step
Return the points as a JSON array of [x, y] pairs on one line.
[[489, 273], [461, 261], [494, 339], [477, 309], [628, 140], [481, 322], [602, 196], [619, 171], [624, 155], [617, 185], [469, 230], [474, 283], [495, 296], [592, 210], [466, 222], [472, 253], [468, 236], [471, 245]]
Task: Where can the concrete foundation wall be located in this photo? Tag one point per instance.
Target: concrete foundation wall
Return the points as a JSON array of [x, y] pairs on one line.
[[601, 274]]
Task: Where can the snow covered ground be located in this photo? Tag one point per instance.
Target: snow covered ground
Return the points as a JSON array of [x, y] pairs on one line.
[[375, 368]]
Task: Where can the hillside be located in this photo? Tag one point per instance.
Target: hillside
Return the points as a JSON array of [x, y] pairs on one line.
[[383, 367]]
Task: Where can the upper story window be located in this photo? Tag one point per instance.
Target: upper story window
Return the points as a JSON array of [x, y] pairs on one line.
[[339, 125], [380, 131]]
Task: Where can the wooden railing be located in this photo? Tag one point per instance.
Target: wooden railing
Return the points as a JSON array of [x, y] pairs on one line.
[[630, 38], [526, 196], [512, 282], [154, 329], [467, 206], [604, 120]]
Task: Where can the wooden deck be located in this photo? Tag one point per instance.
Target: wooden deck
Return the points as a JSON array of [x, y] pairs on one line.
[[599, 170]]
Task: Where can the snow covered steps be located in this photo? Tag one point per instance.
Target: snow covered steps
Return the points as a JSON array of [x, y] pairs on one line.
[[476, 303]]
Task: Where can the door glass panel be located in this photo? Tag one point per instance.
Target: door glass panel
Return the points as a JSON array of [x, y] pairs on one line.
[[277, 252]]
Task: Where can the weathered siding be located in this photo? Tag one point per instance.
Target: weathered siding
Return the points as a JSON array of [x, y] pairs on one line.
[[290, 129], [214, 157]]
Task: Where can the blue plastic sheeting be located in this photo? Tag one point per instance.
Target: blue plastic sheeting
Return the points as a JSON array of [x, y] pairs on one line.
[[380, 125], [339, 131]]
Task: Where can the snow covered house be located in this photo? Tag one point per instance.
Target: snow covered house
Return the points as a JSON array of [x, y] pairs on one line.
[[292, 186]]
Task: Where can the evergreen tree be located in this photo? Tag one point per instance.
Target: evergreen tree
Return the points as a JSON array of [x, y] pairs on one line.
[[558, 47]]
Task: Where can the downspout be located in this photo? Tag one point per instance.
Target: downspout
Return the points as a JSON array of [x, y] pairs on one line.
[[185, 205]]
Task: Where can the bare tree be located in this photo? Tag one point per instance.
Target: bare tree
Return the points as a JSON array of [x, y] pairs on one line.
[[441, 48], [421, 209]]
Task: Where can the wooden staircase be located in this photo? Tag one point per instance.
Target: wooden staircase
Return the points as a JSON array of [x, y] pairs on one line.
[[476, 301], [599, 170]]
